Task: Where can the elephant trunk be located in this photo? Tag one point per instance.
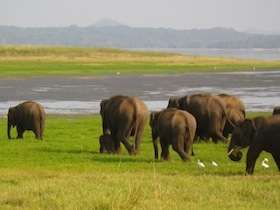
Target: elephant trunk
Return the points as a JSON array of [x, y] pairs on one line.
[[234, 152]]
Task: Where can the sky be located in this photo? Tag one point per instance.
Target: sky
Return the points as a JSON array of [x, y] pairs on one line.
[[176, 14]]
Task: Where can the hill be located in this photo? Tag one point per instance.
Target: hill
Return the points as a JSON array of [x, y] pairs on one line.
[[117, 35]]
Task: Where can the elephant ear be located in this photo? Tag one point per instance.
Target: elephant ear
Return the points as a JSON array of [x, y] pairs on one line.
[[12, 114], [154, 117], [103, 104], [173, 103], [248, 127], [184, 102]]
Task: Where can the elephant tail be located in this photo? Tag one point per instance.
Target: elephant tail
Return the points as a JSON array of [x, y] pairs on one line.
[[140, 121]]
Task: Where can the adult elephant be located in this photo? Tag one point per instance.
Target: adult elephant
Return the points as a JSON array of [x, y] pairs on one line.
[[276, 110], [28, 115], [235, 111], [209, 111], [173, 127], [260, 134], [124, 116]]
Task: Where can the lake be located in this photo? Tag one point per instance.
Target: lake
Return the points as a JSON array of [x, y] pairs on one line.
[[259, 90]]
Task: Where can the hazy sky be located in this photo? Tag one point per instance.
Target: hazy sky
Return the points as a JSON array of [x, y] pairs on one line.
[[177, 14]]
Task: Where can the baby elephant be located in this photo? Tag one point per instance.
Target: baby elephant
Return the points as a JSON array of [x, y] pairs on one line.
[[107, 143], [28, 115], [173, 127]]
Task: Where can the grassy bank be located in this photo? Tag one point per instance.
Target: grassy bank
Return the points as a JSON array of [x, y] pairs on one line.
[[48, 61], [66, 171]]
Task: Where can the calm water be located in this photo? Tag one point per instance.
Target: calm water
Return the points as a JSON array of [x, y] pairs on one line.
[[259, 90]]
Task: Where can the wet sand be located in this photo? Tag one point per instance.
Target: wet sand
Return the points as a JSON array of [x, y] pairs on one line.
[[260, 90]]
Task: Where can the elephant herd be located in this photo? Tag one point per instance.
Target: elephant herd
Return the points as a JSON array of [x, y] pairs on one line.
[[185, 120]]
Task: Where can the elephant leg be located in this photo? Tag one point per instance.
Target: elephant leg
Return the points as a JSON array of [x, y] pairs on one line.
[[277, 161], [37, 130], [117, 143], [20, 132], [227, 130], [196, 138], [189, 147], [216, 130], [165, 151], [139, 135], [121, 137], [118, 148], [216, 136], [130, 129], [193, 152], [37, 134], [180, 147], [189, 139], [252, 155], [101, 149], [155, 143]]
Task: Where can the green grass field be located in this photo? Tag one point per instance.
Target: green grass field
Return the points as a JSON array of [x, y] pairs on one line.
[[66, 171], [49, 61]]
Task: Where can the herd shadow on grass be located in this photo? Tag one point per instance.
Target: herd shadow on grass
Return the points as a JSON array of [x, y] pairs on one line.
[[98, 157], [95, 156]]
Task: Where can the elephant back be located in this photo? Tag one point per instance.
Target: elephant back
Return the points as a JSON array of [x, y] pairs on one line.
[[30, 109], [233, 102], [120, 109]]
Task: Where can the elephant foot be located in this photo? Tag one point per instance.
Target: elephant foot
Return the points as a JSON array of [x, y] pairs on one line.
[[168, 158], [186, 159], [133, 152]]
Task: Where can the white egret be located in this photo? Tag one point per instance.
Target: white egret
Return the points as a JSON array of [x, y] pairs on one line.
[[200, 164], [264, 163], [214, 164]]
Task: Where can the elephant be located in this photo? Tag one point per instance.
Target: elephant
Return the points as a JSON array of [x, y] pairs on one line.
[[28, 115], [260, 134], [122, 117], [209, 111], [276, 110], [107, 143], [173, 127], [235, 111]]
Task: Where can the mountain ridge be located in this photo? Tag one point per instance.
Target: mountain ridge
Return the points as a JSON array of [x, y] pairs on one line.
[[116, 35]]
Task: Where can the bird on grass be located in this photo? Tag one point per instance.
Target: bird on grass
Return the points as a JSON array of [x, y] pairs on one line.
[[264, 163], [200, 164], [214, 164]]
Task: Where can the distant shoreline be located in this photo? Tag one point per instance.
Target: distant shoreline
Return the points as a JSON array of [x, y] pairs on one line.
[[243, 53]]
